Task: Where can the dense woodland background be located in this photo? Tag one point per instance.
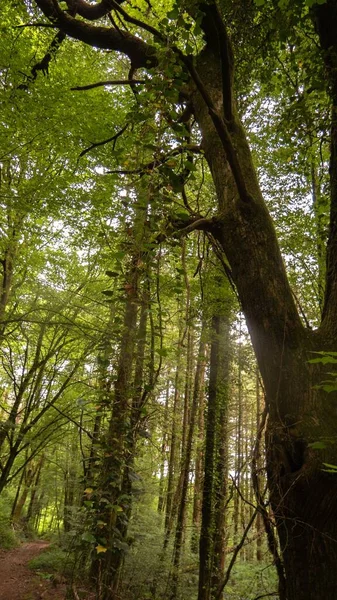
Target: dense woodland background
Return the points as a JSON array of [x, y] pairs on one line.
[[132, 408]]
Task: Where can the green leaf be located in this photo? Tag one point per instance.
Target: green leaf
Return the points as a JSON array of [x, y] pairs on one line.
[[182, 215], [121, 545], [317, 445], [330, 468], [88, 537], [190, 166], [324, 360], [174, 13], [162, 351], [112, 273], [108, 293], [329, 387]]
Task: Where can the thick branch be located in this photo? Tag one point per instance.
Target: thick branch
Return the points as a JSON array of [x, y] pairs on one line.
[[200, 224], [140, 53], [217, 36], [222, 130], [92, 12]]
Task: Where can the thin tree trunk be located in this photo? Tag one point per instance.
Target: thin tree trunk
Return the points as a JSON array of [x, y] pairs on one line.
[[206, 534], [163, 452], [174, 439], [70, 481], [32, 508], [238, 450], [186, 464], [198, 473], [221, 467], [258, 522], [105, 569]]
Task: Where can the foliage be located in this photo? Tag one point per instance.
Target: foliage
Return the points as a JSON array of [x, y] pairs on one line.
[[53, 560], [103, 297], [8, 537], [250, 580]]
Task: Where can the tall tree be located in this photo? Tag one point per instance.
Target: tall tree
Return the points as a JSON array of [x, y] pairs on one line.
[[190, 50]]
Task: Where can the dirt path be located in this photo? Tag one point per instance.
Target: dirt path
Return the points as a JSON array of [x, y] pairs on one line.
[[18, 582]]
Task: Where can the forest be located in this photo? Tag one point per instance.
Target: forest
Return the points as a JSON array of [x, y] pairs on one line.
[[168, 299]]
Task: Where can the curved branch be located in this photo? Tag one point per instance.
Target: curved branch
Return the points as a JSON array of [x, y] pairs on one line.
[[114, 138], [92, 12], [200, 224], [137, 22], [91, 86], [140, 53]]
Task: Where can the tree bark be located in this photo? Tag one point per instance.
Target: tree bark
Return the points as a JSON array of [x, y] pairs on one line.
[[221, 457], [206, 534], [198, 471], [106, 569]]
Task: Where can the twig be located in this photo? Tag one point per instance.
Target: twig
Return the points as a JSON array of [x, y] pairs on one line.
[[70, 419], [74, 591], [271, 538], [235, 553], [265, 595], [48, 25], [111, 139]]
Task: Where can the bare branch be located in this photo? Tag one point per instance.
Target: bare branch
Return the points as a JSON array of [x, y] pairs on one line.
[[114, 138], [221, 128], [235, 553], [217, 37], [137, 22], [37, 24], [90, 86]]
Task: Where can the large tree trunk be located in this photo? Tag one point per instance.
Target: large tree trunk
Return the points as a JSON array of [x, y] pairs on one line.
[[303, 496]]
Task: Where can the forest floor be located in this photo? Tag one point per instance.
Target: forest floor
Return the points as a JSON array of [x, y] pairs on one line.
[[18, 582]]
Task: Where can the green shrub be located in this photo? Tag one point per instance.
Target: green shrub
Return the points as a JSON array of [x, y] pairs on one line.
[[8, 538], [251, 579], [53, 560]]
